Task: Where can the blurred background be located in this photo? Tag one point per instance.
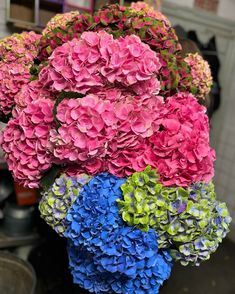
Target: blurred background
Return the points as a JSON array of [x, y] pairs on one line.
[[210, 25]]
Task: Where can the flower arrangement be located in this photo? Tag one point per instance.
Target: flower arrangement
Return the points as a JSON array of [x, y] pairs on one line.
[[109, 123]]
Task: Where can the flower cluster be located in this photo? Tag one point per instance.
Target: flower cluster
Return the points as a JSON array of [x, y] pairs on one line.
[[201, 73], [198, 250], [60, 21], [92, 128], [144, 8], [85, 273], [17, 53], [181, 146], [175, 75], [124, 133], [19, 48], [56, 202], [25, 142], [124, 259], [190, 221], [85, 125], [13, 76], [62, 30], [152, 30], [96, 59], [152, 27], [30, 92]]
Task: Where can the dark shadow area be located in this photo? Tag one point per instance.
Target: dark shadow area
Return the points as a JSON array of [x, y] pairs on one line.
[[216, 276]]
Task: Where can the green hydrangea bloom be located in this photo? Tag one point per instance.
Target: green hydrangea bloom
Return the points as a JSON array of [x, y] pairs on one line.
[[56, 202], [190, 221]]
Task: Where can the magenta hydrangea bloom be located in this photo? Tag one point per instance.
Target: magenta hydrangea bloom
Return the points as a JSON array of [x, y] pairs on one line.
[[26, 144], [130, 158], [13, 76], [98, 60], [182, 149], [72, 67]]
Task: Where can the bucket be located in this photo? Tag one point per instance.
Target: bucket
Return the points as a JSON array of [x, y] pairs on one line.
[[16, 275]]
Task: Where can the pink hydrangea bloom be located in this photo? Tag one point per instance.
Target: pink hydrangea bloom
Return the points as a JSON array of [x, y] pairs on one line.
[[31, 92], [60, 20], [72, 67], [181, 146], [122, 135], [26, 144], [98, 133], [19, 47], [201, 73], [13, 76], [17, 53], [119, 126], [138, 120], [86, 126], [98, 60], [131, 63]]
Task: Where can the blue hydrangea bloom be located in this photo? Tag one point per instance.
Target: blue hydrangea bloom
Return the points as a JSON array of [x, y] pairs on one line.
[[123, 259], [87, 274]]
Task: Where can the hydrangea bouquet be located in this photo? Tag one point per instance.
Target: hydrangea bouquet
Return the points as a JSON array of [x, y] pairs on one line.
[[107, 117]]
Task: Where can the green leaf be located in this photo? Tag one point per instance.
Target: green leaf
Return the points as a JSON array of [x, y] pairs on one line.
[[49, 177], [193, 90]]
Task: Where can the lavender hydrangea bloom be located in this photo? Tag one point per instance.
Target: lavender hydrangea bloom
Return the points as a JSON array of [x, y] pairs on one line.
[[56, 202], [109, 246]]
